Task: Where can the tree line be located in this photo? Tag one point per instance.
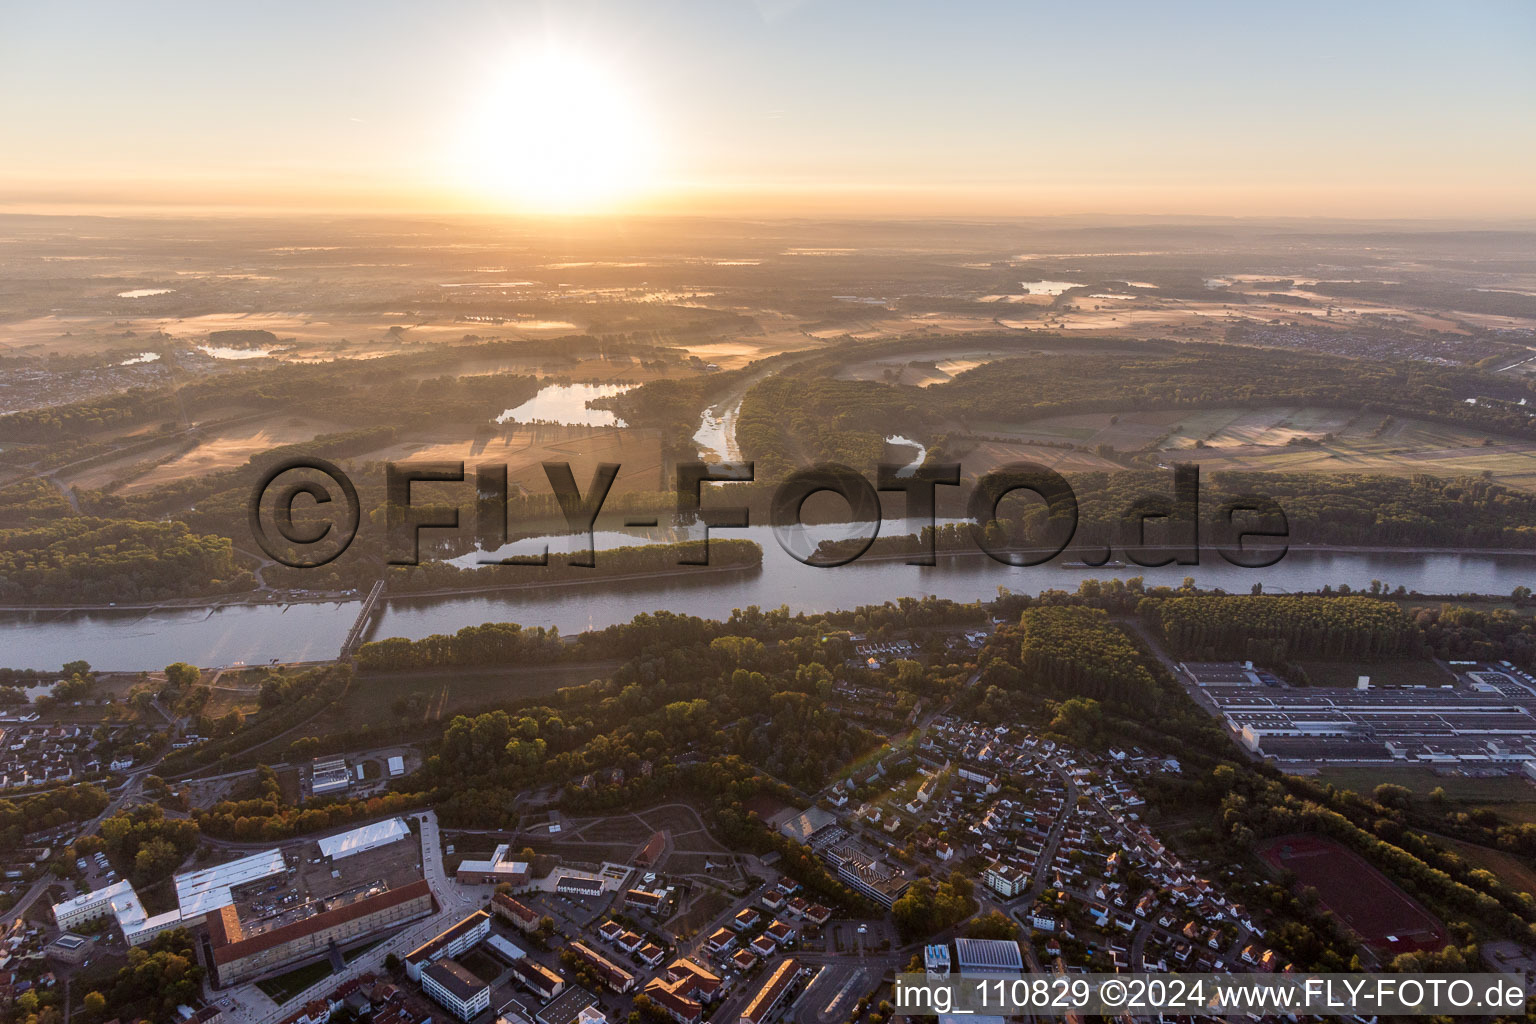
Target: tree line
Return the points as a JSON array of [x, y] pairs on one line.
[[1273, 629]]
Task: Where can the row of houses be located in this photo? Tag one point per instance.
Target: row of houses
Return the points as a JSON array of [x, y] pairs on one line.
[[1100, 843], [35, 755]]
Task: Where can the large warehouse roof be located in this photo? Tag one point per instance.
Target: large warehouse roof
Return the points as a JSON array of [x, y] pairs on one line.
[[198, 892], [380, 833], [989, 955]]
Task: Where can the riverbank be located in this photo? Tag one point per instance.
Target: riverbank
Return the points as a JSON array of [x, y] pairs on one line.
[[281, 599], [1208, 552], [257, 633]]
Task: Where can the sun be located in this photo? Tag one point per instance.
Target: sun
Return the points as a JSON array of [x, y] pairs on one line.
[[557, 132]]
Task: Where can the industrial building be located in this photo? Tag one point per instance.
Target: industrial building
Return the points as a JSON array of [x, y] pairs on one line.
[[360, 840], [1227, 673], [504, 949], [988, 955], [329, 775], [1427, 725], [573, 1006], [199, 892], [809, 826]]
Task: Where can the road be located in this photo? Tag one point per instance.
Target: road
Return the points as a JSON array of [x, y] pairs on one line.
[[128, 791], [1195, 690], [1047, 860]]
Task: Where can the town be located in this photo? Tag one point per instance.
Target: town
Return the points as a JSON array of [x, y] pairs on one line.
[[391, 919], [964, 831]]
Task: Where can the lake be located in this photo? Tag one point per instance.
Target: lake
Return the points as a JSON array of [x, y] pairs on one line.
[[567, 404]]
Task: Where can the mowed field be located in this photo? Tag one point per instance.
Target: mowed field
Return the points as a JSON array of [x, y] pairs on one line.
[[1387, 919]]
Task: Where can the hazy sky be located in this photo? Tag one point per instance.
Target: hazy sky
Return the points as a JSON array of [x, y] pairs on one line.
[[815, 106]]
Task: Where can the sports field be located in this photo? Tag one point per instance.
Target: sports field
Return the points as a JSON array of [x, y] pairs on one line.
[[1387, 919]]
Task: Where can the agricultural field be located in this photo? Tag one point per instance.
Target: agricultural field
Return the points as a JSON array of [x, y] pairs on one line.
[[922, 368], [980, 455], [215, 449]]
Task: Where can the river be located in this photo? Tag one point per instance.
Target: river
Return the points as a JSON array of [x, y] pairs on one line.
[[124, 639]]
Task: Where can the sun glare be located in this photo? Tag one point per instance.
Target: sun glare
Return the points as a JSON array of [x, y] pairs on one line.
[[555, 132]]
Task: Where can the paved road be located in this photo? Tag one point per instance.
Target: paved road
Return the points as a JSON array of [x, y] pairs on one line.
[[129, 790], [1047, 861]]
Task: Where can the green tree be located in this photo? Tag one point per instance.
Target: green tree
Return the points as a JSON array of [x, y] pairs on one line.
[[180, 675]]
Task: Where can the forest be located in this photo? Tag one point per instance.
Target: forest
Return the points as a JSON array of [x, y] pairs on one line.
[[90, 559], [1456, 632], [20, 815], [1078, 651], [262, 815], [690, 697], [1272, 629]]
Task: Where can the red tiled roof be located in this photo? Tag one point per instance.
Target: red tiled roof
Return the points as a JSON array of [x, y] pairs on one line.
[[647, 856], [514, 907]]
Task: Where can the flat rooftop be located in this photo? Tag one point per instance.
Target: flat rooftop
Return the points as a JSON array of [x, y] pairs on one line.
[[198, 892]]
